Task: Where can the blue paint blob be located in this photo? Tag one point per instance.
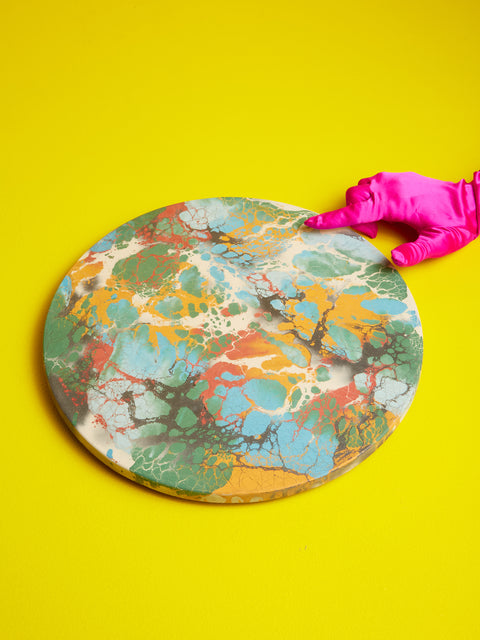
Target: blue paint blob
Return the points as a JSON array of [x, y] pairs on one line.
[[235, 403], [384, 306], [309, 309], [356, 290], [268, 394], [349, 344], [216, 273], [226, 375], [65, 289], [123, 313], [255, 423], [105, 243], [170, 307]]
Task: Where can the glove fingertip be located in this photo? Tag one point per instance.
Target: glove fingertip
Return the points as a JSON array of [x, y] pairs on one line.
[[398, 258], [314, 222], [406, 255]]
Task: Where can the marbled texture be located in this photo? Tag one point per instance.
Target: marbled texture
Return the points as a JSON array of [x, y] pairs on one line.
[[218, 350]]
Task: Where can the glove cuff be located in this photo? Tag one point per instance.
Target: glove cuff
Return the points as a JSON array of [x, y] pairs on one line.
[[476, 193]]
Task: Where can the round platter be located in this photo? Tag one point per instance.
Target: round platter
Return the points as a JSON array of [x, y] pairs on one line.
[[218, 350]]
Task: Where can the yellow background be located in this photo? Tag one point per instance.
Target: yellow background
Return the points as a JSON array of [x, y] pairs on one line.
[[112, 108]]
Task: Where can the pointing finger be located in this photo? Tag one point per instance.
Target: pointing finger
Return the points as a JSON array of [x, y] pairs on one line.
[[353, 214]]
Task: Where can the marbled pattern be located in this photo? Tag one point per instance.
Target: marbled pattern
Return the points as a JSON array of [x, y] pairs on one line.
[[218, 350]]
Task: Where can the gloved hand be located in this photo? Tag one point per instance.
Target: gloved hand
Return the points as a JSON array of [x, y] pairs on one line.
[[445, 214]]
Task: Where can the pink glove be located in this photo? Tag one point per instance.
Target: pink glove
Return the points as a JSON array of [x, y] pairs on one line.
[[445, 214]]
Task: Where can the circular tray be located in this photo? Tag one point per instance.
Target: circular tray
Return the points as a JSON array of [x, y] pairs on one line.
[[218, 350]]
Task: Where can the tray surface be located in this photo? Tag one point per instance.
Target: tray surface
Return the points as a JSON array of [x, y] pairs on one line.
[[218, 350]]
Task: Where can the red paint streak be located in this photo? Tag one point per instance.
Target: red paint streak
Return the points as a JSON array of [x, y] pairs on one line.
[[122, 376], [250, 345], [99, 421], [260, 281], [123, 430], [77, 398], [100, 353], [150, 235], [346, 395], [214, 377]]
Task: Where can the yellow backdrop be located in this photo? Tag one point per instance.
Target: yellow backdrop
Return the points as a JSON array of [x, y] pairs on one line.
[[112, 108]]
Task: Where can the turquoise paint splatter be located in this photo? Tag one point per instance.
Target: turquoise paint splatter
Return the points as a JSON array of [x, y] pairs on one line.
[[123, 313], [268, 394], [384, 306], [347, 341]]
